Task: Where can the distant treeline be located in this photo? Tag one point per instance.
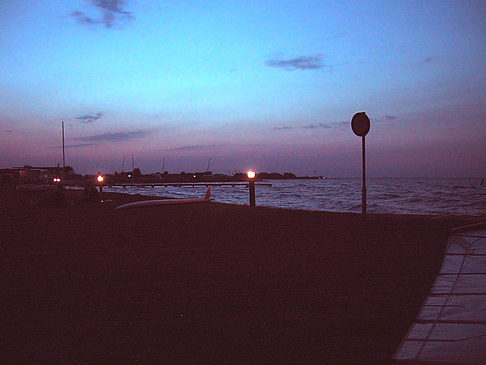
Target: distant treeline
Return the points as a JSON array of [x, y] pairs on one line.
[[207, 176], [48, 174]]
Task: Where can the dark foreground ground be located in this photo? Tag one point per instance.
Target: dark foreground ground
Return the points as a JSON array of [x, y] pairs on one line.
[[208, 283]]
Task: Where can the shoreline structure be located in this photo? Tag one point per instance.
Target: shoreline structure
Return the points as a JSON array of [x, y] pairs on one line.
[[212, 283]]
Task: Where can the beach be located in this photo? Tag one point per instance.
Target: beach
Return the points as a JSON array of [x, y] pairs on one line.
[[209, 283]]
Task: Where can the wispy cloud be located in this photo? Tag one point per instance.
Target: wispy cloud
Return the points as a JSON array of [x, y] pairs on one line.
[[111, 11], [83, 18], [76, 145], [315, 126], [115, 137], [193, 147], [201, 147], [90, 118], [79, 145], [330, 125], [313, 62]]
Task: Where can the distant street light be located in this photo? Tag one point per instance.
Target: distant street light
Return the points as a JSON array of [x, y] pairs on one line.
[[251, 185], [100, 180]]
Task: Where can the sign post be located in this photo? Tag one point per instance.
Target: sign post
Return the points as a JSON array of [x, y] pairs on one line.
[[360, 124]]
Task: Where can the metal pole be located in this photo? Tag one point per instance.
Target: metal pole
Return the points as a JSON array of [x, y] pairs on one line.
[[363, 198], [251, 186], [63, 155]]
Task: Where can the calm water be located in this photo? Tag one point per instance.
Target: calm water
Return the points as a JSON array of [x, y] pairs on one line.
[[391, 195]]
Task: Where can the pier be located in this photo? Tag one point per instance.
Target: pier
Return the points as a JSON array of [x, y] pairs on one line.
[[205, 184]]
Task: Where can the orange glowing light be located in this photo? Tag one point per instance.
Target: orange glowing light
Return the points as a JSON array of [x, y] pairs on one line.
[[100, 178], [251, 174]]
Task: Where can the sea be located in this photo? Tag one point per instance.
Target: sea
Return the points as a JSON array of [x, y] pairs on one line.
[[429, 196]]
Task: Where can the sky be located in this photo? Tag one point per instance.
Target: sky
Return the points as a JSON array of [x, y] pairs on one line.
[[264, 85]]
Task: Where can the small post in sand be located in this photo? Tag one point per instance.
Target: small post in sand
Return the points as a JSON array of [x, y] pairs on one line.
[[100, 180], [360, 124], [251, 185]]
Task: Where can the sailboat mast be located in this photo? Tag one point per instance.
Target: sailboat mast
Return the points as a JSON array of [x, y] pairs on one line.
[[133, 163]]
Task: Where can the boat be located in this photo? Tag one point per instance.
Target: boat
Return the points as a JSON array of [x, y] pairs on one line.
[[151, 203], [35, 188]]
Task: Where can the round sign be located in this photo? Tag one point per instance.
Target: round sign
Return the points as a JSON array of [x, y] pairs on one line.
[[360, 124]]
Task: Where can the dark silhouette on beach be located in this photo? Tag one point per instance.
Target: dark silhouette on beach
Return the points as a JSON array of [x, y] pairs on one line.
[[91, 194]]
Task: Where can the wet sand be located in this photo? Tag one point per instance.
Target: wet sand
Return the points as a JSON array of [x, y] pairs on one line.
[[209, 283]]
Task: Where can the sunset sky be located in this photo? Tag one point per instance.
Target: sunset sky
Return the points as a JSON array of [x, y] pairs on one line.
[[269, 85]]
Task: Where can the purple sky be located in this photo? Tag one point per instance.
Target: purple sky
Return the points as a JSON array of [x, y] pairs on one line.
[[270, 86]]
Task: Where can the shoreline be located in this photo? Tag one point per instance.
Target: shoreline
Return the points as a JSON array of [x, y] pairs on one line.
[[460, 217], [459, 198], [215, 283]]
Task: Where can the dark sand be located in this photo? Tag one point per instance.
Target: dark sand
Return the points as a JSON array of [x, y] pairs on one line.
[[209, 283]]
